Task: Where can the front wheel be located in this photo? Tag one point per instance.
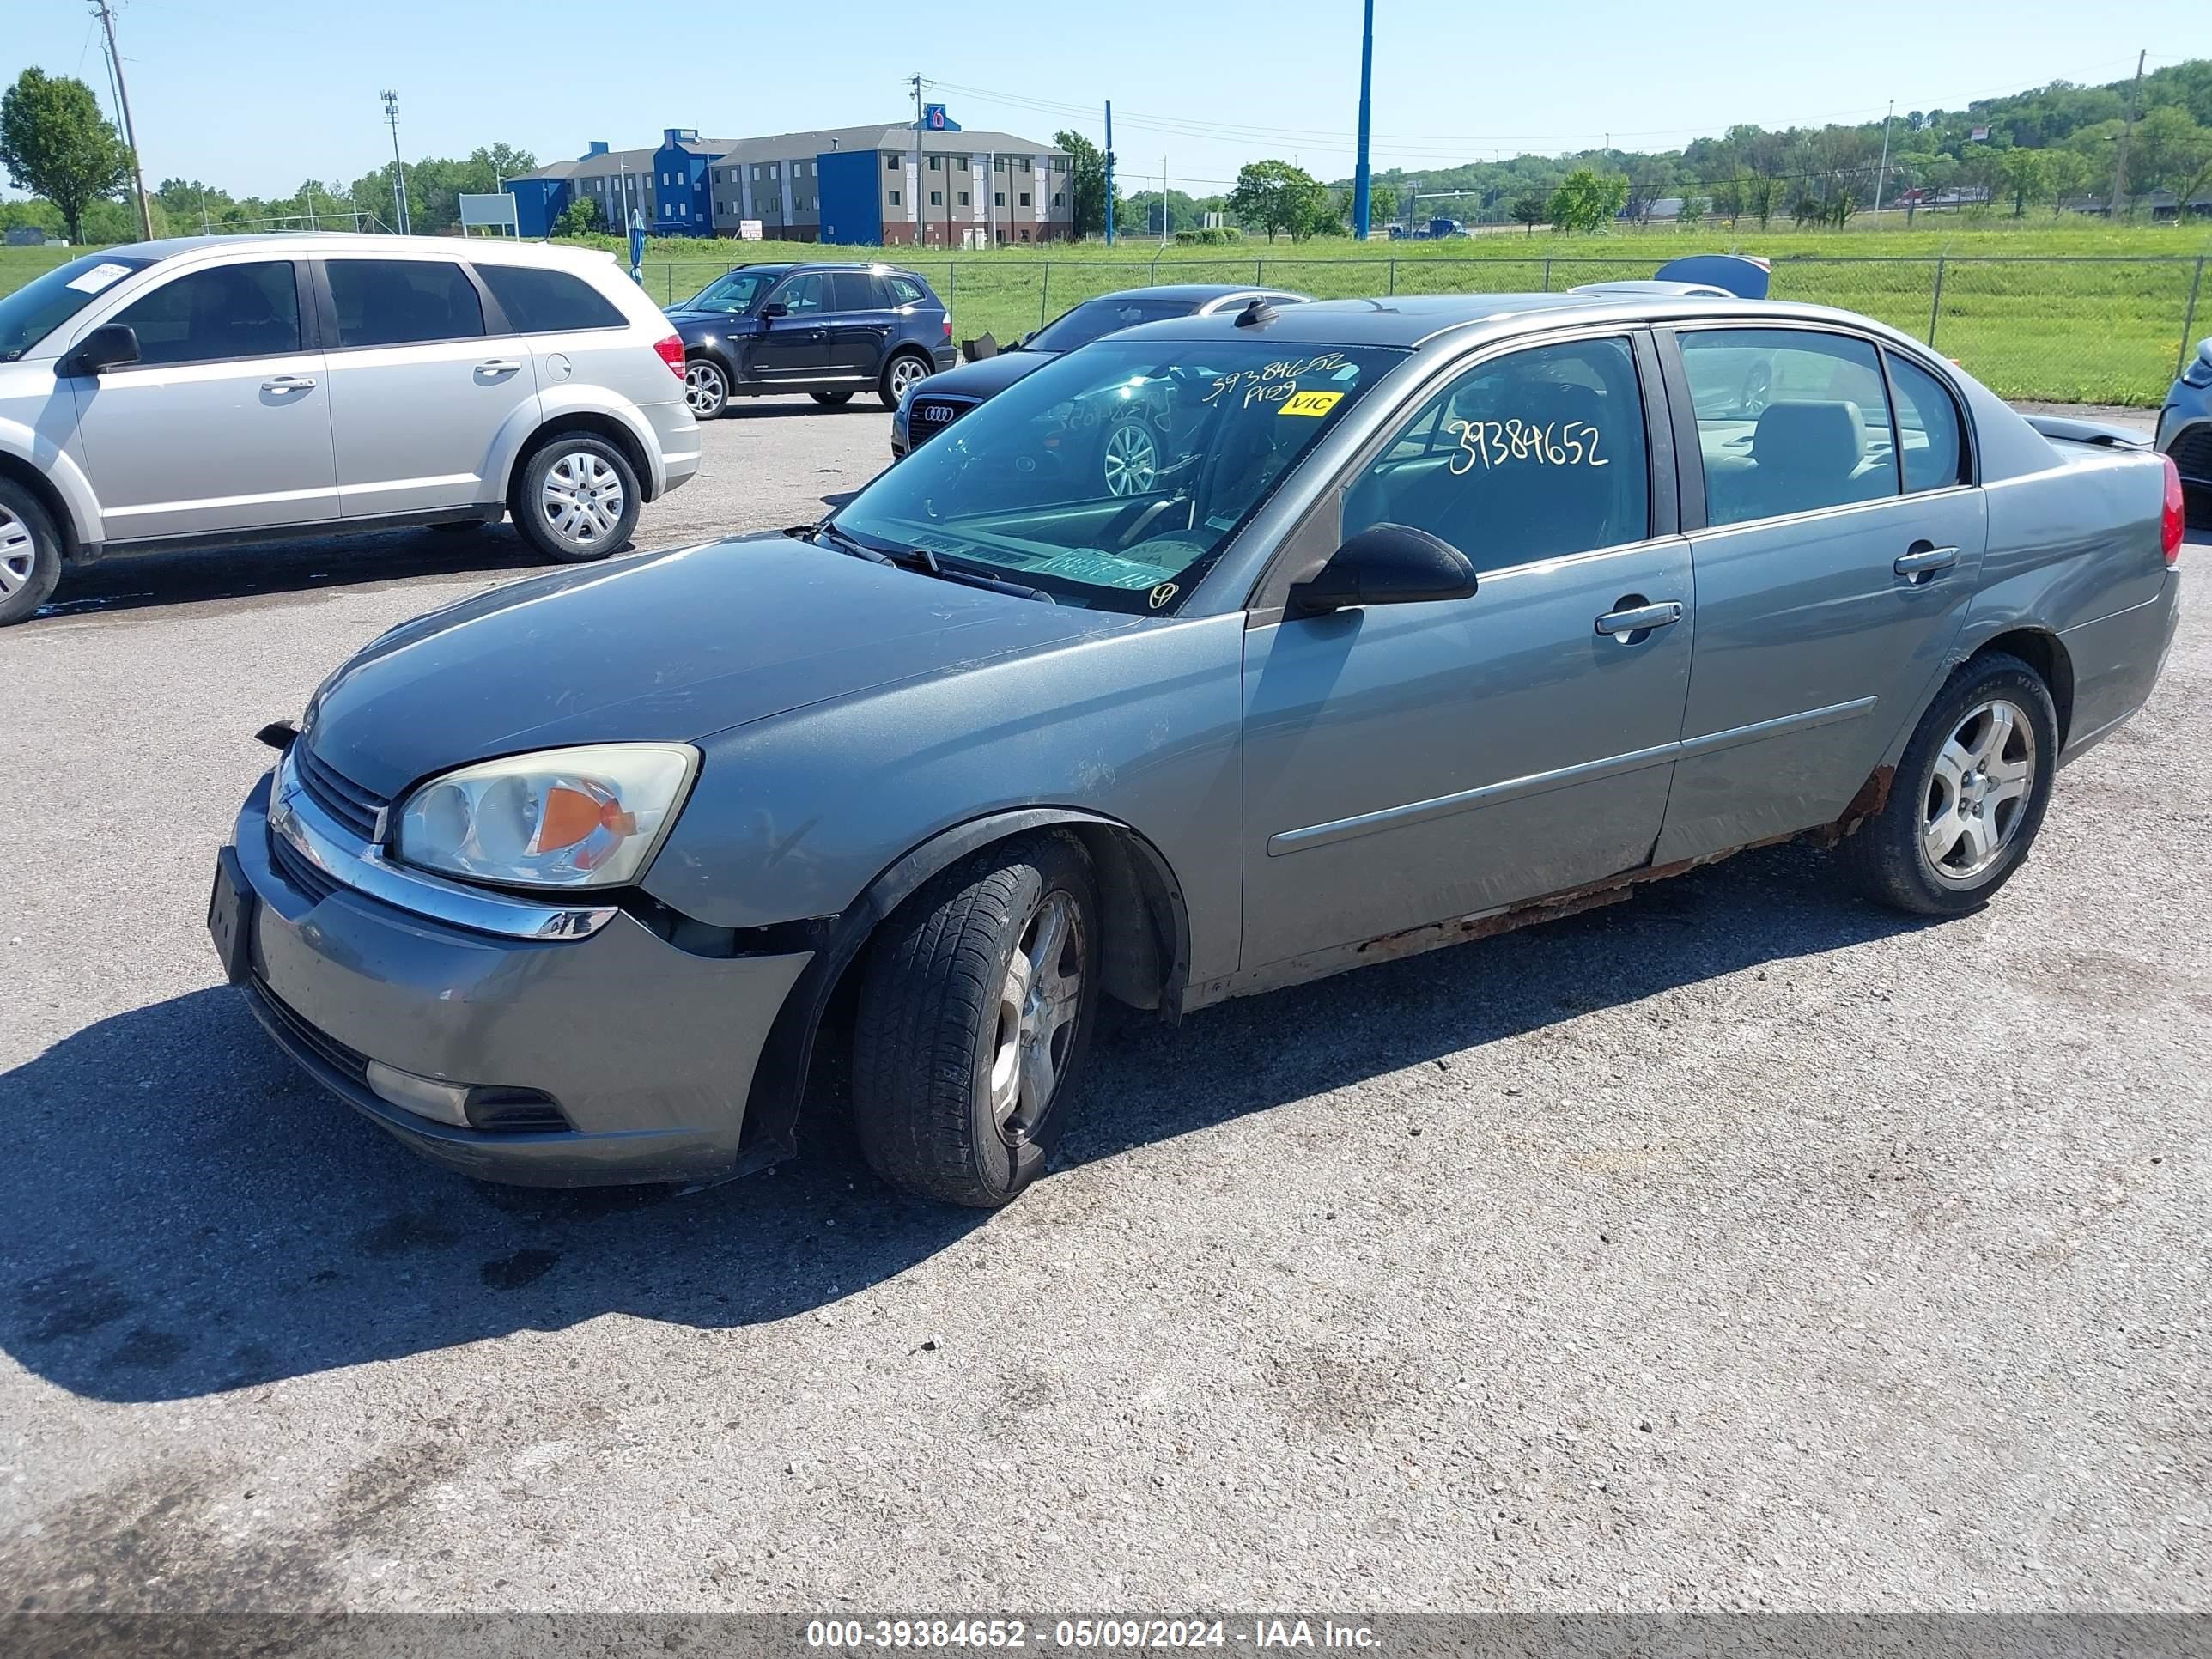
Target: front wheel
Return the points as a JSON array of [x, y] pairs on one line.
[[705, 388], [1968, 797], [577, 500], [900, 375], [976, 1010], [831, 399], [30, 553]]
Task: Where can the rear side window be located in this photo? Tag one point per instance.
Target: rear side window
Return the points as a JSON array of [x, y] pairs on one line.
[[548, 301], [1788, 421], [1534, 455], [852, 290], [905, 291], [209, 316], [1931, 442], [403, 302]]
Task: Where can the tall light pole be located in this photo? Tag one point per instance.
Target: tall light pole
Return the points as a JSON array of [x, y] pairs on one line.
[[1359, 177], [1882, 172], [1110, 173], [130, 131], [398, 167]]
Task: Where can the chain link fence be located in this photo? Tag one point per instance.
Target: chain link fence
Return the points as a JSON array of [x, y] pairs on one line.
[[2056, 328]]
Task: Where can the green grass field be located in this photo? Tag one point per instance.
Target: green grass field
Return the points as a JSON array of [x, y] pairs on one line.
[[2094, 315]]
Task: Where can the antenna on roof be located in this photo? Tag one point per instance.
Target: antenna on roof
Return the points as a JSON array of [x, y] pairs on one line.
[[1258, 315]]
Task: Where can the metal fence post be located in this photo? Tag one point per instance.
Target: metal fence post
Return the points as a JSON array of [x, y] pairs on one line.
[[1044, 297], [952, 293], [1935, 304], [2189, 318], [1393, 276], [1547, 275], [1156, 268]]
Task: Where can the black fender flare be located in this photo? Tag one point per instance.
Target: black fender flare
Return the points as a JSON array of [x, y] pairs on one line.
[[1162, 954]]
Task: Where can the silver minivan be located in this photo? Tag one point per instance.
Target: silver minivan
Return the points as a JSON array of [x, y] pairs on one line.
[[202, 390]]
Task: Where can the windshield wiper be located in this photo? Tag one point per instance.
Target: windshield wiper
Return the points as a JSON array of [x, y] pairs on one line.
[[842, 540], [920, 559]]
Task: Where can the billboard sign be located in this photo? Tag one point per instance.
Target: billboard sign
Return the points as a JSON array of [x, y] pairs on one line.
[[495, 211], [932, 117]]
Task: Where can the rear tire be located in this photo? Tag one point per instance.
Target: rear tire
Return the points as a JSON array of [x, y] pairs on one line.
[[975, 1013], [577, 499], [1968, 797], [906, 369], [831, 399], [30, 553]]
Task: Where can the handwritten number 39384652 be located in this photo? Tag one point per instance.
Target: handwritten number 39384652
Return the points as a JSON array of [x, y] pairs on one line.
[[1502, 443]]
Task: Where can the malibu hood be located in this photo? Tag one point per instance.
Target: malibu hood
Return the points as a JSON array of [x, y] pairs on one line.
[[671, 645]]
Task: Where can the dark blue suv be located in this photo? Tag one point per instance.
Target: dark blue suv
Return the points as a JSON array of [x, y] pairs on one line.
[[827, 329]]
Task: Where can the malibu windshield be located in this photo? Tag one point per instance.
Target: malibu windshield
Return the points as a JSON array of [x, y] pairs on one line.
[[1115, 476]]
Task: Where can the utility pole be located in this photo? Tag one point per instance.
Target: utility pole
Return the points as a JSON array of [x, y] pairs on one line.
[[1360, 176], [920, 219], [130, 131], [398, 167], [1110, 173], [1163, 197], [1883, 171], [2127, 131]]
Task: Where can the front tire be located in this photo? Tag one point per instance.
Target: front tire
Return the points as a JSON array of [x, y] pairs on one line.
[[30, 553], [577, 500], [975, 1013], [1968, 797], [904, 372], [705, 388]]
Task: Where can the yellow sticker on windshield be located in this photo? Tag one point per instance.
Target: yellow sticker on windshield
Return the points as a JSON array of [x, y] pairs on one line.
[[1311, 403]]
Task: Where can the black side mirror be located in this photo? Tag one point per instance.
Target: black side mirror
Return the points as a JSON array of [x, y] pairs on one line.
[[111, 345], [1385, 564], [775, 308]]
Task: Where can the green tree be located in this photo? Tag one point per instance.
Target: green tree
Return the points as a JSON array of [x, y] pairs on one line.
[[1530, 208], [1086, 184], [1807, 210], [1277, 196], [1693, 209], [1763, 195], [1728, 195], [2026, 172], [579, 218], [1381, 201], [1588, 200], [55, 142]]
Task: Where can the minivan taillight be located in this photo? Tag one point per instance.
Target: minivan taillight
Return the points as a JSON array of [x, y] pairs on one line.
[[2170, 522], [671, 353]]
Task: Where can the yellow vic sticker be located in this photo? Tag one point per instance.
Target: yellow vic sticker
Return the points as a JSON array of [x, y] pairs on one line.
[[1311, 403]]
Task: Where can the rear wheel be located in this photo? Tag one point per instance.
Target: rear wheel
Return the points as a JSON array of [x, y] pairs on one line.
[[30, 553], [900, 375], [1968, 797], [706, 388], [975, 1011], [577, 500], [831, 399]]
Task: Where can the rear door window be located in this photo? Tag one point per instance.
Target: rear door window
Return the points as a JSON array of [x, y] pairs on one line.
[[548, 301], [382, 302], [212, 316], [854, 290], [1788, 421], [1533, 455], [1932, 441]]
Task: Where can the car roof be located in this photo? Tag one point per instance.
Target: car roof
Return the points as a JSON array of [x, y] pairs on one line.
[[493, 250], [1197, 293], [788, 265]]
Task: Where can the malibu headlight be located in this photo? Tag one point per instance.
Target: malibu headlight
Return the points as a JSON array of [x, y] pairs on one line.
[[563, 817]]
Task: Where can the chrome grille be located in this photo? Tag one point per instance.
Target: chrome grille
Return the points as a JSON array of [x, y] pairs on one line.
[[294, 866], [920, 423], [357, 808]]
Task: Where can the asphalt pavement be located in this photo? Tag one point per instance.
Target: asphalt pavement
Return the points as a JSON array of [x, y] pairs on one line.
[[1740, 1245]]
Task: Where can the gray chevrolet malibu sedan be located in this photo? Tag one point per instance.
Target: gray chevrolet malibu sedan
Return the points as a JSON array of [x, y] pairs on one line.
[[1441, 614]]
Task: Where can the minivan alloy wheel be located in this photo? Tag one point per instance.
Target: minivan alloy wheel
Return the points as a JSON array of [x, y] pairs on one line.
[[582, 498], [1132, 461], [19, 553]]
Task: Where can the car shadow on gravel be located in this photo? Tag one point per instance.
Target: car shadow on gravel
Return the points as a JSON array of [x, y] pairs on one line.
[[181, 1212]]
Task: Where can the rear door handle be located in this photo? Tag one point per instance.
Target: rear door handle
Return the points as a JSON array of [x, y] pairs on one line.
[[1924, 561], [1639, 618], [289, 383], [498, 366]]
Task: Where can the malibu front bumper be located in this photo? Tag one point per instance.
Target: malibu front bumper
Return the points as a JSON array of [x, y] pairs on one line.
[[578, 1058]]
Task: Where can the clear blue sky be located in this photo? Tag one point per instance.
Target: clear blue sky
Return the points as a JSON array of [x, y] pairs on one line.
[[255, 95]]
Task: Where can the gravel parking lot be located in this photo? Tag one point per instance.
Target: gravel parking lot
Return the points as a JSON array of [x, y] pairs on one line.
[[1737, 1246]]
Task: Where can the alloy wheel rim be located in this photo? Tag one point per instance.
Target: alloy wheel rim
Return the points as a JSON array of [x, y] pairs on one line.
[[1038, 1003], [702, 388], [905, 373], [1757, 389], [1133, 460], [582, 498], [1979, 792], [19, 554]]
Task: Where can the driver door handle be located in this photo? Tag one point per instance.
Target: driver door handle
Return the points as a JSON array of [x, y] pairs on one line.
[[289, 383], [1664, 614], [1925, 561], [498, 366]]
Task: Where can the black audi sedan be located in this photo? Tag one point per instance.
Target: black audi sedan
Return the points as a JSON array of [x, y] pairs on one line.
[[953, 394], [826, 330]]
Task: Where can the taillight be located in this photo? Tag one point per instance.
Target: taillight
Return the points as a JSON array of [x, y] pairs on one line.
[[948, 328], [2170, 521], [671, 353]]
